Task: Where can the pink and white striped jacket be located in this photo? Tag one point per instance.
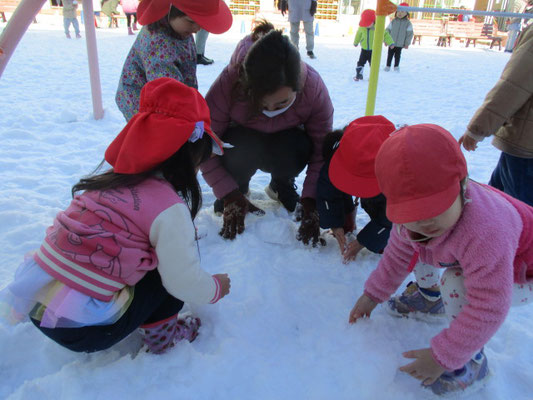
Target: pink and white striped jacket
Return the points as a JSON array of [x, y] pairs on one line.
[[106, 240], [492, 243]]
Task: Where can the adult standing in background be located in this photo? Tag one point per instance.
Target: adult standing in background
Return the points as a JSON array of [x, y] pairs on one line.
[[201, 38], [301, 10], [507, 113]]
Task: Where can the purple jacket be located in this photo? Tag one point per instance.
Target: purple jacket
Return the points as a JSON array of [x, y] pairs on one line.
[[492, 243], [312, 109]]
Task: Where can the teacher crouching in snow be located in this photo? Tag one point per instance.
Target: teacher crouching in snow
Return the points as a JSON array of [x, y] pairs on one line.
[[275, 110]]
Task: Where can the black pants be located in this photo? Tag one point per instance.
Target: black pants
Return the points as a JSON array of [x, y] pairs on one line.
[[366, 55], [128, 18], [283, 154], [396, 53], [151, 303]]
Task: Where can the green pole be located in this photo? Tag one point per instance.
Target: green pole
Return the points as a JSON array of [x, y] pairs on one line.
[[374, 68]]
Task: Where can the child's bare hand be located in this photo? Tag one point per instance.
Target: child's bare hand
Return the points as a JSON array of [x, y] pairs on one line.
[[363, 307], [338, 233], [424, 368], [468, 143], [225, 284], [351, 251]]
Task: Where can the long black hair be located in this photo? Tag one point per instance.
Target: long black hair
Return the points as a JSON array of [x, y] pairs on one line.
[[179, 170], [271, 63]]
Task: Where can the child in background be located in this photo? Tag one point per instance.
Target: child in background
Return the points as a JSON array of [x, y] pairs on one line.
[[365, 36], [130, 9], [124, 254], [401, 31], [70, 17], [349, 171], [165, 46], [482, 237], [109, 8]]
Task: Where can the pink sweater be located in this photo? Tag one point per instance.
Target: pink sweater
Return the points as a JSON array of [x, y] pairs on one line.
[[106, 240], [492, 243], [312, 109]]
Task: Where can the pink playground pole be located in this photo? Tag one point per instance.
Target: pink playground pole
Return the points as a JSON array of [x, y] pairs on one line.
[[92, 55], [16, 27]]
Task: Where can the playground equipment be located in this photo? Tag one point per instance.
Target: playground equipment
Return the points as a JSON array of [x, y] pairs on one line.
[[384, 8], [18, 25]]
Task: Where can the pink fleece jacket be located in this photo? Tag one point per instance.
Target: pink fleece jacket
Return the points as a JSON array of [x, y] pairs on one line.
[[312, 109], [492, 243]]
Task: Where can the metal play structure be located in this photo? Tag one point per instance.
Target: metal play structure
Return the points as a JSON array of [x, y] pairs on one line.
[[384, 8], [18, 25]]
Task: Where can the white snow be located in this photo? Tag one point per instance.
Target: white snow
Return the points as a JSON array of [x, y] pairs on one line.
[[283, 332]]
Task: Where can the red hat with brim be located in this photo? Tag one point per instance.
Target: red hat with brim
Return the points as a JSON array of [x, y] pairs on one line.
[[404, 4], [419, 170], [368, 17], [351, 169], [170, 114], [212, 15]]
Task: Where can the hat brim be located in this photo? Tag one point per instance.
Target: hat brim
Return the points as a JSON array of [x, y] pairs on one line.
[[218, 145], [216, 24], [422, 208], [347, 182]]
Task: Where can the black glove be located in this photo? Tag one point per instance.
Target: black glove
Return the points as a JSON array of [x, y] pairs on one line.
[[283, 6], [312, 10], [309, 230], [235, 208]]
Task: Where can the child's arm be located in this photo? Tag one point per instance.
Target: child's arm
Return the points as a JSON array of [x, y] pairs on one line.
[[173, 236], [408, 35], [358, 37], [389, 41]]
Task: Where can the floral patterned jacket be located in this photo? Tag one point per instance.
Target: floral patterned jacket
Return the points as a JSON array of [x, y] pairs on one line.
[[157, 52]]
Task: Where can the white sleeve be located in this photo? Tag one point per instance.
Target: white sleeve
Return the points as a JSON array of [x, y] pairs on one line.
[[173, 236]]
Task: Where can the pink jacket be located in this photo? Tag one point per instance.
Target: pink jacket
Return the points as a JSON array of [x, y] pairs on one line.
[[492, 243], [312, 109], [106, 240], [129, 6]]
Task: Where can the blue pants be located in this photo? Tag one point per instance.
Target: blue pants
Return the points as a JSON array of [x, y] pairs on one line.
[[74, 22], [514, 176]]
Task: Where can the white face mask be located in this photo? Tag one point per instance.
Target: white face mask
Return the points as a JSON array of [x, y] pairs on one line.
[[272, 114]]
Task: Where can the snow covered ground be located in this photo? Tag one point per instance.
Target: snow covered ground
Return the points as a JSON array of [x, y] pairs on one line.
[[283, 333]]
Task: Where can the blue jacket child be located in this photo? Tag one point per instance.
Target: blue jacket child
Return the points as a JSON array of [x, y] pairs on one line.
[[349, 171]]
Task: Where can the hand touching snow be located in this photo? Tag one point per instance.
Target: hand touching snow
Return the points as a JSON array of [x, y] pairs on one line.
[[363, 307], [424, 368]]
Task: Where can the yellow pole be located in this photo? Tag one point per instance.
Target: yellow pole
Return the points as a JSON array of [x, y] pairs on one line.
[[383, 8]]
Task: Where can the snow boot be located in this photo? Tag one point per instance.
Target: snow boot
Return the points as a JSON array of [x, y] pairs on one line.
[[396, 69], [159, 336], [358, 74], [134, 25], [67, 35], [203, 60], [130, 31], [416, 303], [387, 68], [78, 36], [471, 376], [311, 55], [283, 191]]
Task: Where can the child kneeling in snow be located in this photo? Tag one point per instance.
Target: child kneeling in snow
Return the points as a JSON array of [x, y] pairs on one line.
[[124, 254], [349, 171], [481, 236]]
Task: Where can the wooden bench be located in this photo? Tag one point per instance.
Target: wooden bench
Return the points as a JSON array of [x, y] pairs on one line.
[[7, 6], [432, 28], [472, 32]]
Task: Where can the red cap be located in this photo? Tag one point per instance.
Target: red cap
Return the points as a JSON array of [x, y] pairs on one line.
[[351, 169], [170, 114], [367, 18], [212, 15], [404, 4], [419, 169]]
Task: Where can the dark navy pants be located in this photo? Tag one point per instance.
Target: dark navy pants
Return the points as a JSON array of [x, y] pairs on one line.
[[514, 176], [151, 303], [283, 154]]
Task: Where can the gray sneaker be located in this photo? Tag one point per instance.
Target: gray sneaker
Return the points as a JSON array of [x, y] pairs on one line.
[[471, 376], [412, 303]]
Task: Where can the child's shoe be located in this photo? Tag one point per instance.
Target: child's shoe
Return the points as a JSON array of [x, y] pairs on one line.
[[159, 336], [412, 303], [358, 74], [67, 35], [387, 68], [471, 376], [283, 191], [396, 69], [78, 36]]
